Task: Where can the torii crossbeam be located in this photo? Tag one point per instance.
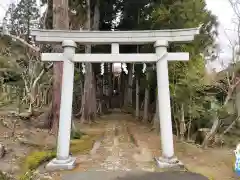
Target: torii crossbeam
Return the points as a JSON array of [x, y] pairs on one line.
[[160, 38]]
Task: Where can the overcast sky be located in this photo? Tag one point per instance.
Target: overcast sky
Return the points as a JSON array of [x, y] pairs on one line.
[[221, 8]]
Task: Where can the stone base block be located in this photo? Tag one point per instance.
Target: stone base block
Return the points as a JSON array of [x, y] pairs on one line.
[[57, 164], [168, 162]]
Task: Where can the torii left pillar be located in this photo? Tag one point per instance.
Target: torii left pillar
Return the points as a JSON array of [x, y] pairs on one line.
[[64, 160]]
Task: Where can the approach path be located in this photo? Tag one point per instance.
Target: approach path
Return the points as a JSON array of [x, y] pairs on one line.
[[118, 155], [117, 150]]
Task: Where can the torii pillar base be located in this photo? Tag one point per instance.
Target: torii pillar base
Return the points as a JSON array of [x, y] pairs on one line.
[[57, 164], [169, 163]]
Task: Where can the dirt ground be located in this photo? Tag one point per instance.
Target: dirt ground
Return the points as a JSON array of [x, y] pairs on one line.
[[214, 163], [25, 140], [130, 145], [124, 145]]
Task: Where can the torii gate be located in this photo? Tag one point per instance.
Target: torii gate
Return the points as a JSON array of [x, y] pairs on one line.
[[161, 58]]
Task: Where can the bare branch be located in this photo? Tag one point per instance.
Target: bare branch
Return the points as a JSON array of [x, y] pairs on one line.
[[34, 48], [230, 126], [25, 83], [230, 42], [41, 74], [228, 79], [235, 8]]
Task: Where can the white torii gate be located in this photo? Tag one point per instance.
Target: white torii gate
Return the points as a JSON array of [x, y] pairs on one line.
[[160, 38]]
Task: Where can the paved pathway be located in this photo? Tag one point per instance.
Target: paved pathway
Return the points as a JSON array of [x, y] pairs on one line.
[[117, 156], [116, 151]]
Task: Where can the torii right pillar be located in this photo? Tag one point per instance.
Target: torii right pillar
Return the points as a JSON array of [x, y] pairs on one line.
[[168, 158]]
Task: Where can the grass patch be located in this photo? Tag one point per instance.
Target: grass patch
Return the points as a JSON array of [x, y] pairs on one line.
[[35, 159]]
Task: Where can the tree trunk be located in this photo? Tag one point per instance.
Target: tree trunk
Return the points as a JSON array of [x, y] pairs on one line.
[[237, 101], [212, 132], [89, 101], [182, 123], [125, 103], [189, 129], [56, 102], [96, 17], [130, 84], [60, 22], [105, 79], [122, 88], [146, 100], [156, 120], [216, 122], [101, 101], [27, 38], [110, 84], [137, 97]]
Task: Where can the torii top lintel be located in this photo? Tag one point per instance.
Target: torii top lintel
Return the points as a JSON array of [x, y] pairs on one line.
[[120, 37]]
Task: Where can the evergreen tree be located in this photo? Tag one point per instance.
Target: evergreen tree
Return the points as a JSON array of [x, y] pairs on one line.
[[24, 17]]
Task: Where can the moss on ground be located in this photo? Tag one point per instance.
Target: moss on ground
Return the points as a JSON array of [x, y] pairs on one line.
[[37, 158], [82, 145], [77, 134], [34, 159]]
